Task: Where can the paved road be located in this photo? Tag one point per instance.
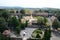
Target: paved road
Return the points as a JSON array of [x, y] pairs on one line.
[[55, 36], [28, 32], [12, 34]]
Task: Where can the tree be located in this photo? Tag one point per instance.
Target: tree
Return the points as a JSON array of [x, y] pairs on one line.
[[23, 25], [55, 24], [26, 23], [4, 13], [38, 36], [22, 11], [40, 10], [45, 20], [18, 29], [2, 37], [47, 34], [3, 25], [59, 18], [42, 21], [16, 25], [14, 22]]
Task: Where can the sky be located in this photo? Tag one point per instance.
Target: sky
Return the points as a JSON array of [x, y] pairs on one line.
[[31, 3]]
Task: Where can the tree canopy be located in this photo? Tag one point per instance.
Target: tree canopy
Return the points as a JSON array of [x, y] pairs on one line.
[[22, 11], [3, 25], [55, 24], [14, 21], [42, 21]]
